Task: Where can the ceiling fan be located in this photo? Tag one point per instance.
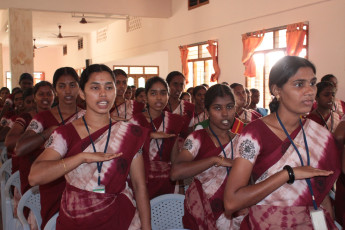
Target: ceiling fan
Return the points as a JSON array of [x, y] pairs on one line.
[[35, 47], [60, 35], [83, 20]]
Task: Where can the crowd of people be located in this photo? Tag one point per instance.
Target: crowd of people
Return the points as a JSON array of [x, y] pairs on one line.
[[100, 150]]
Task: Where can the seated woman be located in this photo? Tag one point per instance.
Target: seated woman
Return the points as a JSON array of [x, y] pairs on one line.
[[323, 113], [159, 153], [207, 156], [293, 163], [92, 155], [31, 143], [245, 115]]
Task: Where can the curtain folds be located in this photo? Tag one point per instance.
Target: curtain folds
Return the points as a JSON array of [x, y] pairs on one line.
[[295, 35], [184, 60], [250, 43], [212, 49]]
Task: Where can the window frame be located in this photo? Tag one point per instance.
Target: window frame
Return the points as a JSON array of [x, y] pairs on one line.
[[136, 77], [198, 4]]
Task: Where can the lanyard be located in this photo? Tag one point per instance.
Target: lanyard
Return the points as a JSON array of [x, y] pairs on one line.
[[99, 164], [299, 155], [204, 117], [118, 114], [160, 149], [220, 144], [172, 110], [324, 121], [62, 120]]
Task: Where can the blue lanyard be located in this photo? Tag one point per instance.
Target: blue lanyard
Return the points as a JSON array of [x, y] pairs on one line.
[[62, 120], [118, 114], [160, 149], [325, 122], [220, 144], [99, 164], [299, 155]]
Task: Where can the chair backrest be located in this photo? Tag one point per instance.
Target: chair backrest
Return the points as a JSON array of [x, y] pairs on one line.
[[5, 173], [167, 211], [30, 199], [4, 154], [10, 220], [51, 224]]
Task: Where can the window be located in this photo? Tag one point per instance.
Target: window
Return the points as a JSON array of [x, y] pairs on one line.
[[200, 65], [196, 3], [64, 50], [272, 48], [80, 43], [138, 75]]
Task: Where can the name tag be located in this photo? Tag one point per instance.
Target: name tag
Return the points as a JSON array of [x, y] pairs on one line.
[[99, 189], [318, 219]]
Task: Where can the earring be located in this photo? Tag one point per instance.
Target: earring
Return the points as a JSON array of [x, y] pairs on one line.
[[278, 97]]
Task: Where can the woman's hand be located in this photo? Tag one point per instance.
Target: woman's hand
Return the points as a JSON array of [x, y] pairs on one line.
[[224, 162], [160, 135], [303, 172], [98, 156], [116, 118]]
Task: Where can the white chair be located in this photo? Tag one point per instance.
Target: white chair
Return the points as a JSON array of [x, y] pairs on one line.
[[4, 154], [30, 199], [51, 224], [187, 182], [5, 173], [11, 223], [167, 211]]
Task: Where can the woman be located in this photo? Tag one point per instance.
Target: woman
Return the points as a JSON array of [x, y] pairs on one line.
[[284, 155], [65, 82], [159, 153], [140, 95], [4, 93], [186, 97], [199, 102], [207, 156], [92, 155], [323, 113]]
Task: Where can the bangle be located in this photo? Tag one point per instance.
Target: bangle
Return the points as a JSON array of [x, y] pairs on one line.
[[64, 165], [41, 135], [222, 158], [291, 174]]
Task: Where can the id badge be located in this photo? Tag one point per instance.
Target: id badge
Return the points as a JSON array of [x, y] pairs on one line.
[[318, 219], [99, 189]]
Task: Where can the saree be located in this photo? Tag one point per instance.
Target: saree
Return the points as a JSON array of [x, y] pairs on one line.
[[339, 107], [330, 122], [50, 194], [81, 208], [236, 127], [248, 115], [127, 109], [203, 205], [200, 117], [289, 205], [157, 159]]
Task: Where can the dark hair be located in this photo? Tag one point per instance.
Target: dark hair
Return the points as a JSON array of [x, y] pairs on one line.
[[41, 84], [152, 81], [94, 68], [26, 76], [197, 89], [322, 85], [253, 90], [225, 83], [15, 89], [139, 91], [64, 71], [4, 88], [218, 90], [327, 77], [118, 72], [190, 89], [28, 92], [173, 74], [206, 85], [234, 85], [282, 71], [133, 87], [183, 94], [247, 91], [128, 87]]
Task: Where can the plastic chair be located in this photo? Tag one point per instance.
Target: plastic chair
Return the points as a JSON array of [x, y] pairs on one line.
[[4, 154], [51, 224], [10, 221], [5, 173], [187, 182], [167, 211], [30, 199]]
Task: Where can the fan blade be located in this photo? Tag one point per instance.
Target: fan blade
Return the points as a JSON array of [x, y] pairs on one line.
[[70, 37]]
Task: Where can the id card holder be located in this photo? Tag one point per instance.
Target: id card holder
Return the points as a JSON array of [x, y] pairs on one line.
[[318, 219], [99, 189]]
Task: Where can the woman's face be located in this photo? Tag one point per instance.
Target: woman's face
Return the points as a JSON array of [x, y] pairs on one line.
[[99, 92], [44, 98], [141, 97], [176, 86], [240, 96], [29, 103], [128, 94], [222, 112], [298, 93], [157, 97], [4, 94], [67, 89], [186, 98], [121, 85], [326, 98], [18, 100], [199, 98]]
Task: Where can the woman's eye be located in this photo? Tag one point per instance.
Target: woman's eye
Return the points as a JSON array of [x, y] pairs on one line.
[[298, 84], [230, 107]]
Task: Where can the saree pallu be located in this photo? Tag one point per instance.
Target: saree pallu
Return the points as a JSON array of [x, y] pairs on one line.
[[269, 154], [200, 118], [330, 122], [81, 208], [204, 208], [127, 109], [248, 115]]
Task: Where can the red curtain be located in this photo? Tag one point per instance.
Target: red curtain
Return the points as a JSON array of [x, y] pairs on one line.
[[250, 43], [295, 35], [184, 59], [212, 49]]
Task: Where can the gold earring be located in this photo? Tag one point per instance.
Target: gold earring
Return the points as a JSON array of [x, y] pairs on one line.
[[278, 97]]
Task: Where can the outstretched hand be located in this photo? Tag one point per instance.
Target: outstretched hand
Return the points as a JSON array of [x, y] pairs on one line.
[[303, 172], [98, 156], [160, 135]]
